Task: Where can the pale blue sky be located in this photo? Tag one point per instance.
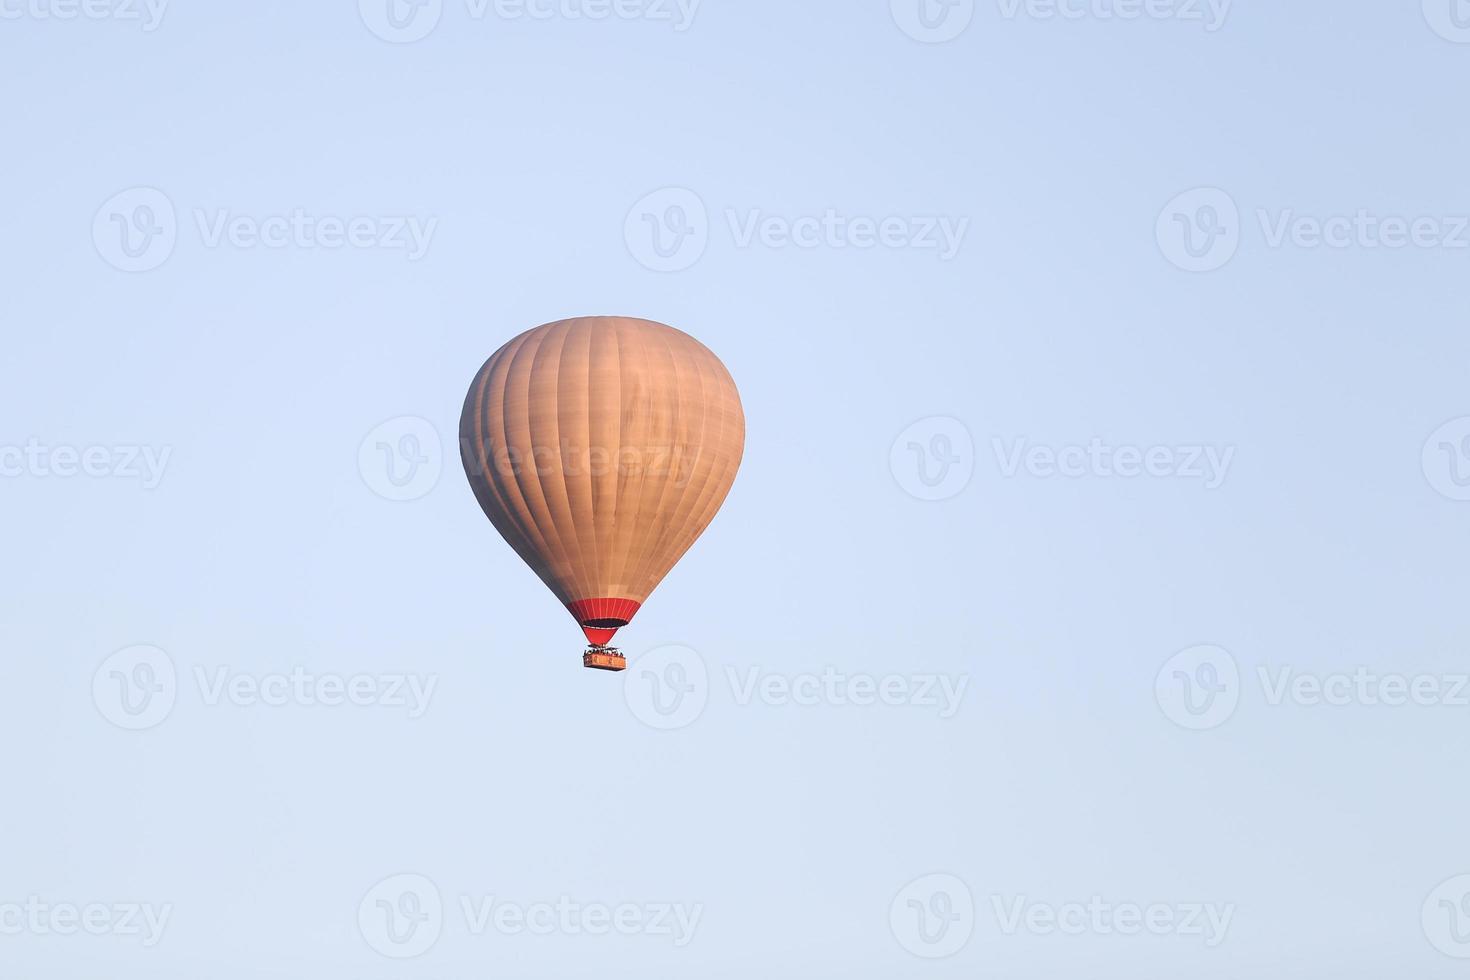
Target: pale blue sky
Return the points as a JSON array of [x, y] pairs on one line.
[[533, 157]]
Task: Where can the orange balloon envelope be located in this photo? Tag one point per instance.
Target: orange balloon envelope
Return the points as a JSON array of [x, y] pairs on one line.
[[601, 448]]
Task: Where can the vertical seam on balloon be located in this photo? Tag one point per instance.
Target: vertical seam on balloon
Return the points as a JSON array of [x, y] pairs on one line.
[[573, 559], [718, 472], [653, 560], [719, 488], [599, 578], [661, 528], [555, 553], [609, 580], [521, 513], [510, 526], [632, 539], [562, 486]]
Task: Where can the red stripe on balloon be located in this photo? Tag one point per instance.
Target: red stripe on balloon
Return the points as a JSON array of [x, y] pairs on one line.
[[601, 617]]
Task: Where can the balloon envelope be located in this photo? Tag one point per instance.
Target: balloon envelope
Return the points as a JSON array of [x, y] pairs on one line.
[[601, 448]]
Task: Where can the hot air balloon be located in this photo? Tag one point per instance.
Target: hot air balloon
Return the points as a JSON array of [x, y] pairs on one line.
[[601, 448]]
